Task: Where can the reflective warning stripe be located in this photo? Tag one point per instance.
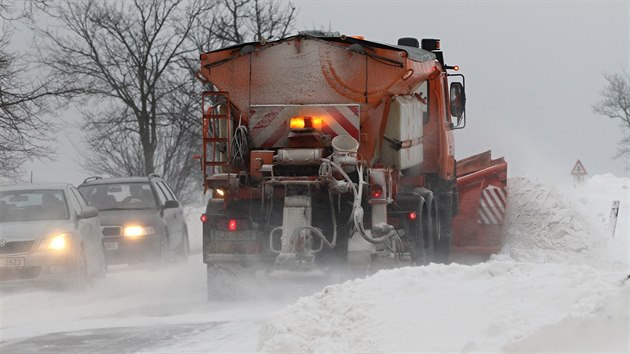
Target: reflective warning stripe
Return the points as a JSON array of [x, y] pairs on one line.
[[492, 206], [348, 125], [269, 125]]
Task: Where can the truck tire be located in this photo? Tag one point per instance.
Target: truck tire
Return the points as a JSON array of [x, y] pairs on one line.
[[444, 244], [432, 219], [421, 234]]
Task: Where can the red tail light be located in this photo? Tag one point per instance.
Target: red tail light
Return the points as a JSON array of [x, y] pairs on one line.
[[232, 225], [376, 191], [412, 216], [204, 218]]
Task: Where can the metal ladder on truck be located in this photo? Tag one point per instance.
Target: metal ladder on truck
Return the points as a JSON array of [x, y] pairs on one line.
[[217, 128]]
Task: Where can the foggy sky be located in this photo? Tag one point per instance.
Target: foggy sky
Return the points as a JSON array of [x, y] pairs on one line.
[[533, 71]]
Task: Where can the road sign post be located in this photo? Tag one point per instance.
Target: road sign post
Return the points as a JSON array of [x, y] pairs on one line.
[[578, 172]]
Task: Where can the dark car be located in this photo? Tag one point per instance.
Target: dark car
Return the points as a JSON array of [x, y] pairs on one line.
[[48, 235], [140, 217]]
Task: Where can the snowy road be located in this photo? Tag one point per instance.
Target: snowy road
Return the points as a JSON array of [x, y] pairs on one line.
[[559, 285], [108, 340], [133, 310]]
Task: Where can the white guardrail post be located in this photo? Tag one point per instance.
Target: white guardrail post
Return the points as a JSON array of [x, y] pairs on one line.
[[614, 213]]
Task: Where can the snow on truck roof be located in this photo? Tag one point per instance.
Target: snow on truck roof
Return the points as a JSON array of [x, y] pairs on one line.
[[413, 53]]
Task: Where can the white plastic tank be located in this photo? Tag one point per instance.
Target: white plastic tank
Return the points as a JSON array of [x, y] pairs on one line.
[[402, 145]]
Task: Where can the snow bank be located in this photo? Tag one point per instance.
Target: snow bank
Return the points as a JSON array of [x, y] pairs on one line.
[[594, 201], [606, 329], [558, 285], [488, 307], [567, 224]]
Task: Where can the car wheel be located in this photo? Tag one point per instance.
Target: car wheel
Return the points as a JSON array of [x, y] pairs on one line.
[[162, 253], [102, 270], [79, 277], [184, 250]]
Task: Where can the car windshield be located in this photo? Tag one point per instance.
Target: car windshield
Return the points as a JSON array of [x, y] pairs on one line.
[[30, 205], [119, 196]]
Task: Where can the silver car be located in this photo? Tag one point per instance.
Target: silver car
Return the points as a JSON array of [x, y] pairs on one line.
[[48, 234], [141, 219]]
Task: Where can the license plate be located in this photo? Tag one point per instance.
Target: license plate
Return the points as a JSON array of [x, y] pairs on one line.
[[13, 262], [110, 246]]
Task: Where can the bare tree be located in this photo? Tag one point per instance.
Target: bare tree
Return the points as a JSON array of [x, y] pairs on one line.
[[252, 20], [25, 99], [239, 21], [124, 57], [121, 55], [134, 62], [615, 104]]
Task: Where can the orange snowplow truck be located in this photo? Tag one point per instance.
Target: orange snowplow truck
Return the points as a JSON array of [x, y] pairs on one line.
[[322, 148]]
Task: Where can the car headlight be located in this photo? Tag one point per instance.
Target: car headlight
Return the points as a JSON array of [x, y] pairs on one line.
[[56, 242], [137, 231]]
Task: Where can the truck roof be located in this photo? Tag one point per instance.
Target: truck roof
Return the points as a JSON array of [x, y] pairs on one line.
[[413, 53]]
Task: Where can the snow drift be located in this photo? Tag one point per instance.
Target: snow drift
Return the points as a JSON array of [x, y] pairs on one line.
[[559, 285], [488, 307], [567, 224]]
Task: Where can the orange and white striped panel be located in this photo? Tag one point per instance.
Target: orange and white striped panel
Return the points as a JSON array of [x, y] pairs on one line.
[[492, 206], [269, 125]]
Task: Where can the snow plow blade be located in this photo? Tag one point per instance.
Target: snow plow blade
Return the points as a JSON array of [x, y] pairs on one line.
[[481, 184]]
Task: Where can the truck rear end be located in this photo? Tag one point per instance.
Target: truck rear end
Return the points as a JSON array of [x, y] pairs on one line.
[[323, 149]]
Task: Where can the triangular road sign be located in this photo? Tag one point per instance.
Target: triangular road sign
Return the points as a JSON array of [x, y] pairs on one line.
[[578, 169]]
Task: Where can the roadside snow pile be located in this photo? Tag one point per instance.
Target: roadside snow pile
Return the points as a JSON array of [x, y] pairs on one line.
[[559, 285], [594, 201], [490, 307], [566, 225], [540, 225], [602, 331]]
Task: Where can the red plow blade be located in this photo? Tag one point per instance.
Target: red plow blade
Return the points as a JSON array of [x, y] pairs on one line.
[[482, 188]]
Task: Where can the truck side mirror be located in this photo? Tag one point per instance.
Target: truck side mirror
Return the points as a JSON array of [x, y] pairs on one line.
[[458, 100]]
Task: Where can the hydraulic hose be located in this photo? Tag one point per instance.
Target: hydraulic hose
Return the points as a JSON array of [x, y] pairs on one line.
[[240, 144], [357, 209], [317, 232]]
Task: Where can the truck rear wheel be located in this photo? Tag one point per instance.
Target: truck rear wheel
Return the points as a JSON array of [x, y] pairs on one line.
[[443, 248], [421, 231], [431, 220]]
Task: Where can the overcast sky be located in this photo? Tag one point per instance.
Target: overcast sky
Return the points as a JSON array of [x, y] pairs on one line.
[[533, 71]]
